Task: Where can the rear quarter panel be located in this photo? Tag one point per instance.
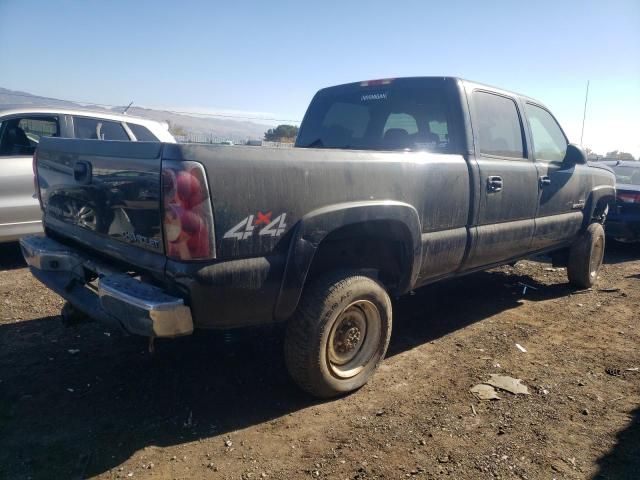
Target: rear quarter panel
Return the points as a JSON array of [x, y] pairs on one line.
[[262, 184], [256, 190]]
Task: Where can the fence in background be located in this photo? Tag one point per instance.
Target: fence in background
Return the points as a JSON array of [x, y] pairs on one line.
[[277, 144], [216, 140], [598, 158]]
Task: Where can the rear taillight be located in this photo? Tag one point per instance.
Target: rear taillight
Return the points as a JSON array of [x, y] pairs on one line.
[[187, 217], [629, 197], [36, 184]]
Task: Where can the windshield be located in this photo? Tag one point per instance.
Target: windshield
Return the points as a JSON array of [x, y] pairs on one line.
[[627, 175], [381, 117]]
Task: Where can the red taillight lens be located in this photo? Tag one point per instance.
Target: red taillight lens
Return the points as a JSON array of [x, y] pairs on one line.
[[629, 197], [187, 216]]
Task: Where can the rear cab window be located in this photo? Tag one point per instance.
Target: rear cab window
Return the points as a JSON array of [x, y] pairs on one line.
[[497, 126], [98, 129], [21, 135], [142, 134], [403, 114]]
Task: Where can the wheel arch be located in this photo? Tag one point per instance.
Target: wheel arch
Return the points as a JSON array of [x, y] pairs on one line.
[[321, 224], [599, 198]]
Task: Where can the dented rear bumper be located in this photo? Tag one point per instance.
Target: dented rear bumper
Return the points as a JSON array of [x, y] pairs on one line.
[[113, 297]]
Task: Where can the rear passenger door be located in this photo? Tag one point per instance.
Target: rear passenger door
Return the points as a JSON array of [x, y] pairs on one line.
[[508, 181], [563, 187]]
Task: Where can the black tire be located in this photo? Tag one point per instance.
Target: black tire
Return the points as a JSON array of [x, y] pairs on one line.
[[339, 334], [585, 257]]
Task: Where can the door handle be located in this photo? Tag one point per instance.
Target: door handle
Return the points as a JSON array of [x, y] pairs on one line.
[[494, 183], [82, 172], [545, 180]]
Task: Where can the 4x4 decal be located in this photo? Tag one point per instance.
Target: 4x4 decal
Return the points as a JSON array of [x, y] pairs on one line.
[[247, 227]]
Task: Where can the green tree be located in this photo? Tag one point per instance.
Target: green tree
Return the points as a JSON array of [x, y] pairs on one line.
[[282, 133], [620, 155], [176, 129]]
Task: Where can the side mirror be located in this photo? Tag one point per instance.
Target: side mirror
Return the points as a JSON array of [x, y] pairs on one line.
[[574, 155]]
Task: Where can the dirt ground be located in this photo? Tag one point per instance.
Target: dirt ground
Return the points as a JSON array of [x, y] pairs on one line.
[[82, 402]]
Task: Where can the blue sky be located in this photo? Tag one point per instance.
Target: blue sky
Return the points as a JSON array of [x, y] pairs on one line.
[[269, 58]]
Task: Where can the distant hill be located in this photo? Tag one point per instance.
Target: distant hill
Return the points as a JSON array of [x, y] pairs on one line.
[[222, 128]]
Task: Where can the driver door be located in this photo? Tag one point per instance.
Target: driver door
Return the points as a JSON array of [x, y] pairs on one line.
[[563, 187]]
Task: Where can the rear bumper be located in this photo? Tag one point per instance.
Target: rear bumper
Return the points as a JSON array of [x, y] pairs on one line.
[[627, 229], [113, 297]]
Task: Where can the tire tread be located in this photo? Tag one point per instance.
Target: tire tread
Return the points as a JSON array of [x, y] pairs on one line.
[[301, 356], [579, 268]]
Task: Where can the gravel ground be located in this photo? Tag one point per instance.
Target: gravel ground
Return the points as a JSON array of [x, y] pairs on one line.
[[83, 402]]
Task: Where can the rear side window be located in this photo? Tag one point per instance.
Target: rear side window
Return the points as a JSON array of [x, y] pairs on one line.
[[392, 116], [549, 143], [98, 129], [142, 133], [20, 136], [498, 125]]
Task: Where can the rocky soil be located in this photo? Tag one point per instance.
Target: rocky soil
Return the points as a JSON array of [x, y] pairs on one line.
[[83, 402]]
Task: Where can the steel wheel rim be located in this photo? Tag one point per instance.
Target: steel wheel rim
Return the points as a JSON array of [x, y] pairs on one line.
[[353, 339], [596, 257]]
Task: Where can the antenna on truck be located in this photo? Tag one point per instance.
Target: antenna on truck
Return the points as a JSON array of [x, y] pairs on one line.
[[584, 115], [127, 108]]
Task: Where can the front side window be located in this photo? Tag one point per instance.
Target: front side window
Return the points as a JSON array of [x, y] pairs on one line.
[[98, 129], [498, 125], [549, 143], [20, 136]]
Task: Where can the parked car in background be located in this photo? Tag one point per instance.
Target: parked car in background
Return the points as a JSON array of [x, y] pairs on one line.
[[20, 131], [623, 222]]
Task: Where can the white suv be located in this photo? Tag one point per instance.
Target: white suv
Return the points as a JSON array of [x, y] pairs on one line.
[[20, 132]]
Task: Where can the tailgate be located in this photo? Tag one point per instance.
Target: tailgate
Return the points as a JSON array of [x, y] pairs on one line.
[[105, 194]]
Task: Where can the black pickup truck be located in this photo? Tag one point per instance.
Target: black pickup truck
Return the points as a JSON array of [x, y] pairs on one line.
[[393, 184]]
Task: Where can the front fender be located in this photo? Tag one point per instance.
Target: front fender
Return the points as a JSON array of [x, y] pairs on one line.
[[599, 195], [316, 225]]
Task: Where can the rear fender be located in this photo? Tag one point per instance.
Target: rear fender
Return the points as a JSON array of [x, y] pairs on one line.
[[316, 225]]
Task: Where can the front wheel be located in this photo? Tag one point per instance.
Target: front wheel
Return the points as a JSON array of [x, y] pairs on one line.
[[338, 335], [585, 257]]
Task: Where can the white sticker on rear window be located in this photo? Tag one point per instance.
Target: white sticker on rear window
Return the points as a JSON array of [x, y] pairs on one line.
[[373, 96]]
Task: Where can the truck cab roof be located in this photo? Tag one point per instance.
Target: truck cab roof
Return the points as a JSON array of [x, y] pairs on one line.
[[470, 84]]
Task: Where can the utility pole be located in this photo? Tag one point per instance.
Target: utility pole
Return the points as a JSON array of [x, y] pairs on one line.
[[584, 115]]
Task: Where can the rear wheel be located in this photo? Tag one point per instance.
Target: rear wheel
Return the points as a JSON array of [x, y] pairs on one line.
[[585, 257], [339, 334]]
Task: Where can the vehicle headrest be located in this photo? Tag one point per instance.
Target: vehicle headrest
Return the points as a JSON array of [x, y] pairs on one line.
[[18, 137], [396, 136]]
